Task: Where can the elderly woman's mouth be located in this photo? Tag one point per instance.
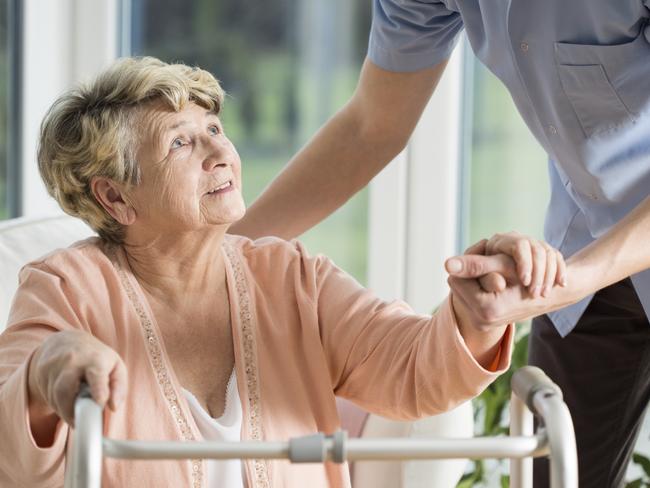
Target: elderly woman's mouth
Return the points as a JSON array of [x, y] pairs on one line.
[[223, 188]]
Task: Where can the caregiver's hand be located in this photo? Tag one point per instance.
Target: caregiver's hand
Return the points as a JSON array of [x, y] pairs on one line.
[[59, 365], [539, 265]]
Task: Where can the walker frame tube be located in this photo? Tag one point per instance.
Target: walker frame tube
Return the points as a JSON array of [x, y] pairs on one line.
[[532, 390]]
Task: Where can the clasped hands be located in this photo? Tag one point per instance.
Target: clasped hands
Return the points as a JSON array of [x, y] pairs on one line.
[[507, 278]]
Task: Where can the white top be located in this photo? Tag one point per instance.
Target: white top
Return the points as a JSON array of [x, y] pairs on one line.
[[226, 428]]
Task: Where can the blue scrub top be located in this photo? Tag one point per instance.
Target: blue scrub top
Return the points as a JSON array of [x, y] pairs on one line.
[[579, 74]]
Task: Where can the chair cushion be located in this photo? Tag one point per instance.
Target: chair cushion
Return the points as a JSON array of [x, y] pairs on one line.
[[24, 239]]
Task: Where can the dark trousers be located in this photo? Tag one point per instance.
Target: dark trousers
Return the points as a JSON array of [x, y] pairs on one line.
[[603, 369]]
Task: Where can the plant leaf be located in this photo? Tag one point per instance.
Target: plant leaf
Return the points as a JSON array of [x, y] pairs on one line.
[[642, 461], [638, 483]]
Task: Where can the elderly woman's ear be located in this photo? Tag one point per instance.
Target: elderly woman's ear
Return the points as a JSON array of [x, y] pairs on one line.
[[111, 196]]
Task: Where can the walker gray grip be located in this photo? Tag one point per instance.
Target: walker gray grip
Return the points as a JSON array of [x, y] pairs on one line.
[[340, 451], [307, 449], [313, 448], [528, 381]]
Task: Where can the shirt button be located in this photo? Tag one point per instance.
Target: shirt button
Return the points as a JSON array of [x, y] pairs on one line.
[[524, 47], [552, 129]]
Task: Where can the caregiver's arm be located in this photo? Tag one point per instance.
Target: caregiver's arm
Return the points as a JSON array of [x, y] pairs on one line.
[[345, 154], [619, 253]]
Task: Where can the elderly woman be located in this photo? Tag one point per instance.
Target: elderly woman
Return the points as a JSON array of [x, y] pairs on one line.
[[220, 337]]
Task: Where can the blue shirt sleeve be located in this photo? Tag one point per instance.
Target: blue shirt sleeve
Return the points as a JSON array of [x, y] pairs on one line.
[[646, 29], [409, 35]]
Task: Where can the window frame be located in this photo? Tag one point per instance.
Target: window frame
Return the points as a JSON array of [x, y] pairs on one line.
[[14, 115]]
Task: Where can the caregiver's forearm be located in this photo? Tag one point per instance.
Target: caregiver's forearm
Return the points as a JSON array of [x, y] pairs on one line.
[[623, 251], [344, 155], [336, 164]]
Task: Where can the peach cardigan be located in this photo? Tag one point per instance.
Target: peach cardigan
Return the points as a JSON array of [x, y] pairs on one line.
[[303, 330]]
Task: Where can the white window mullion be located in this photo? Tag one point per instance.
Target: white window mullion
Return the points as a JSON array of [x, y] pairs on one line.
[[387, 230], [433, 186], [413, 212], [64, 42], [413, 207]]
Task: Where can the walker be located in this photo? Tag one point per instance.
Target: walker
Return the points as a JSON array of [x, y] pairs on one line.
[[533, 393]]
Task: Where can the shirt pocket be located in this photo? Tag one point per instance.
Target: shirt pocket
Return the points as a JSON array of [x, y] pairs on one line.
[[602, 81]]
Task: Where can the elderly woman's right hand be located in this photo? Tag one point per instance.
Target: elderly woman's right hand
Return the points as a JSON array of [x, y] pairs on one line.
[[59, 366]]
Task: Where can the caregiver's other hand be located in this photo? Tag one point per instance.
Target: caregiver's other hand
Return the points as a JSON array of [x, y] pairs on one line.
[[539, 266], [58, 367]]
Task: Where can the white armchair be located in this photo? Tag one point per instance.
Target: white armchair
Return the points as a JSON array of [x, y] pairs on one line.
[[25, 239]]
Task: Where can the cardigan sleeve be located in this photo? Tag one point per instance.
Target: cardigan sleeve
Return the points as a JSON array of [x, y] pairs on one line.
[[42, 306], [390, 360]]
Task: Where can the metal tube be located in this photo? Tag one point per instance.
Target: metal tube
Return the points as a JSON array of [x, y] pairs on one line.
[[200, 450], [521, 424], [357, 449], [561, 437], [86, 464], [473, 448]]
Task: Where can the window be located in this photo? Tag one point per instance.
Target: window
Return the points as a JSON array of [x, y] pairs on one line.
[[8, 105], [507, 183], [287, 67]]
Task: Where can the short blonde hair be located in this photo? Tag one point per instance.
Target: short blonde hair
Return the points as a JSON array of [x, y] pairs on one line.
[[89, 131]]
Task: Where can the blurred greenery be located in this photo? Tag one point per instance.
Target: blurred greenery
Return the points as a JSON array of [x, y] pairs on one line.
[[286, 67], [508, 174]]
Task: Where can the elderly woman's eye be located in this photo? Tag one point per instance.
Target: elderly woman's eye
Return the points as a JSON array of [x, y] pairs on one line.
[[214, 130], [176, 143]]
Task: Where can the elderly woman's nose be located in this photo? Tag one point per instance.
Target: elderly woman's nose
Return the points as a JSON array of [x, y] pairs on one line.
[[212, 162], [215, 154]]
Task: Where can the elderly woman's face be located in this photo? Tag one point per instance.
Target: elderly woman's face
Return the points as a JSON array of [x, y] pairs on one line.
[[191, 172]]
